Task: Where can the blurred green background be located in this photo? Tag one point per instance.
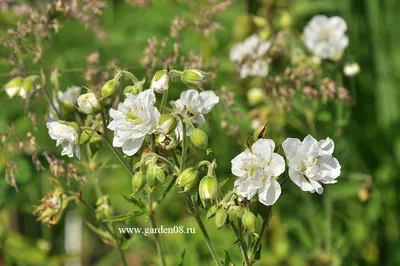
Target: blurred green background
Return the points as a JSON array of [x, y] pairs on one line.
[[364, 232]]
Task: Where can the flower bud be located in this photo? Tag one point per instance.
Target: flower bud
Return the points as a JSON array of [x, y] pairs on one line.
[[351, 69], [138, 182], [84, 137], [232, 213], [136, 88], [260, 132], [27, 88], [161, 81], [208, 188], [194, 78], [167, 123], [249, 221], [199, 138], [13, 87], [255, 96], [88, 103], [187, 179], [155, 173], [103, 209], [211, 212], [167, 142], [109, 88], [220, 218]]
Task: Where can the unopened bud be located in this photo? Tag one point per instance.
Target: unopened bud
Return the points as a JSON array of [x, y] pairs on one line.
[[109, 88], [255, 96], [155, 173], [249, 221], [199, 138], [351, 69], [88, 103], [27, 88], [167, 123], [187, 179], [260, 132], [136, 88], [161, 81], [220, 218], [194, 78], [13, 87], [84, 137], [211, 212], [138, 181], [208, 188]]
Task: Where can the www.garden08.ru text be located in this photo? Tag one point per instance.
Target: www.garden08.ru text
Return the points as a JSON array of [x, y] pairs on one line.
[[158, 230]]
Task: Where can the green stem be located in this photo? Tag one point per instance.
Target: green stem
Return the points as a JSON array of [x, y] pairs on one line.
[[184, 145], [164, 101], [328, 219], [92, 212], [196, 215], [163, 159], [241, 243], [47, 96], [131, 76], [170, 185], [159, 247], [119, 156], [268, 211]]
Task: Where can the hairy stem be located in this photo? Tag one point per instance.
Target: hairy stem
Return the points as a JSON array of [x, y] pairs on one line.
[[242, 244], [92, 212], [159, 247], [268, 211], [196, 215]]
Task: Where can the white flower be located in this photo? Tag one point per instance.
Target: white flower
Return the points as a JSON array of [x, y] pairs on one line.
[[248, 56], [193, 105], [351, 69], [160, 82], [311, 163], [88, 103], [135, 118], [67, 136], [67, 99], [326, 37], [257, 170]]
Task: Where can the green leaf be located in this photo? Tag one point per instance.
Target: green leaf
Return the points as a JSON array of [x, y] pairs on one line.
[[136, 202]]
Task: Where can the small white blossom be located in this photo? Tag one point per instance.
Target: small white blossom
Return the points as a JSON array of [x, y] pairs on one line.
[[67, 99], [248, 55], [67, 136], [351, 69], [193, 105], [311, 163], [326, 37], [135, 118], [257, 170], [88, 103], [160, 82], [13, 91]]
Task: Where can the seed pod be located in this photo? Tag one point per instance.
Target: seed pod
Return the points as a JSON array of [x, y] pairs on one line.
[[187, 179], [220, 218], [199, 138], [138, 181], [249, 221], [208, 188]]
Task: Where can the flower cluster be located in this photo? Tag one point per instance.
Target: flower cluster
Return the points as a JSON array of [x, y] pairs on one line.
[[249, 56]]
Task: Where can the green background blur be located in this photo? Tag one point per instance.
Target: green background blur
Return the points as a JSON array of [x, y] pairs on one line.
[[363, 233]]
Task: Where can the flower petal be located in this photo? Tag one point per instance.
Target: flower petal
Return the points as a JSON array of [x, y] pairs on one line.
[[270, 192]]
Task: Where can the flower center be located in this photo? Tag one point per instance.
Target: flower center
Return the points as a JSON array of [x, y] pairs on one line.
[[324, 35], [130, 117]]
